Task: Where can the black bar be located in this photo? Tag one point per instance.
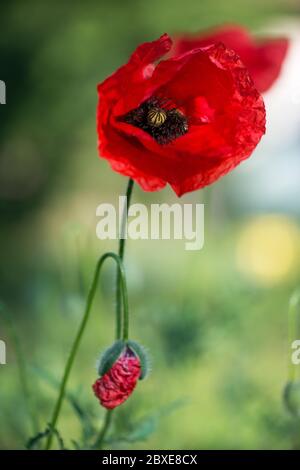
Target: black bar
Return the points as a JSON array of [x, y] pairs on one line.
[[134, 458]]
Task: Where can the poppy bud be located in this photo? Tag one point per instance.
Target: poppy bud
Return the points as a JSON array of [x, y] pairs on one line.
[[120, 368]]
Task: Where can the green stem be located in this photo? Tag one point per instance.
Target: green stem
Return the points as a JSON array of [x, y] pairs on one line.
[[70, 361], [121, 252], [294, 308], [107, 420], [99, 442]]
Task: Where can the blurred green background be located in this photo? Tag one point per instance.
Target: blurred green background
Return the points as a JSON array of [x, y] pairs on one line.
[[214, 321]]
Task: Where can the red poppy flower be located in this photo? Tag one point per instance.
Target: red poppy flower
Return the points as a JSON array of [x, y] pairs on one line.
[[263, 58], [185, 121], [115, 387]]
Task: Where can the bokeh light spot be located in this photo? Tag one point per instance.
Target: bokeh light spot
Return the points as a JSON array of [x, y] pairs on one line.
[[267, 248]]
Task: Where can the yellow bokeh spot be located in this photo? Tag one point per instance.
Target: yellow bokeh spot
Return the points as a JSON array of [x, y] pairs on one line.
[[267, 248]]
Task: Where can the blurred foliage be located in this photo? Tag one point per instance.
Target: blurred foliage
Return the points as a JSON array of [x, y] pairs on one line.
[[214, 328]]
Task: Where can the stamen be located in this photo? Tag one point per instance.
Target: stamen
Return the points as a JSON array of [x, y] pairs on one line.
[[160, 118]]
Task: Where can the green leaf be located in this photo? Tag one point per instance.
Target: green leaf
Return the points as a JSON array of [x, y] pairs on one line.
[[142, 429], [31, 443], [82, 412]]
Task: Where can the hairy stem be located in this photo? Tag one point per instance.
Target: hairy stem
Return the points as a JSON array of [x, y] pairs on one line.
[[74, 349], [107, 420], [121, 253], [99, 442]]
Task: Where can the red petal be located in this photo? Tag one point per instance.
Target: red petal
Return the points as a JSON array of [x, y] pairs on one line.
[[129, 82], [263, 58], [115, 387], [225, 113]]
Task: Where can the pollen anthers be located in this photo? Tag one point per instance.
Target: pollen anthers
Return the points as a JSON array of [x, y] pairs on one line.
[[160, 118]]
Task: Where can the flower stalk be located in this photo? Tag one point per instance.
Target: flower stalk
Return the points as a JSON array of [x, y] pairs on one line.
[[82, 326], [121, 252], [122, 321]]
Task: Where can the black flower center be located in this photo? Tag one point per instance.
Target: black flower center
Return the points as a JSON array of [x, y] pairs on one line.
[[159, 118]]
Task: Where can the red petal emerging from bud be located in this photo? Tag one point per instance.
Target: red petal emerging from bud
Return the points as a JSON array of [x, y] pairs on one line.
[[114, 387]]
